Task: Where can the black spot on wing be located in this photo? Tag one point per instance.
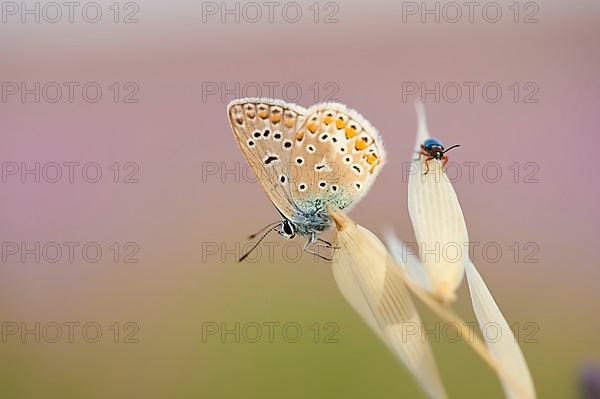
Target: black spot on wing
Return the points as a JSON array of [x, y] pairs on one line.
[[271, 158]]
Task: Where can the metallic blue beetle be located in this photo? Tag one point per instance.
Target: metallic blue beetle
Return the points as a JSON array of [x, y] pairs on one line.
[[433, 149]]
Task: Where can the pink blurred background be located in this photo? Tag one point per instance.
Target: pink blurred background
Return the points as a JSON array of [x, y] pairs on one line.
[[177, 134]]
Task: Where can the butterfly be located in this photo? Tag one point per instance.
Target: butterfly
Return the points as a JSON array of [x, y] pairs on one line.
[[307, 160]]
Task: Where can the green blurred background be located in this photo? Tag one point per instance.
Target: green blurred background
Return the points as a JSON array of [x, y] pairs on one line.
[[194, 201]]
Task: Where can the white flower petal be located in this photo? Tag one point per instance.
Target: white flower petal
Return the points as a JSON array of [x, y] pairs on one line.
[[407, 259], [439, 225], [503, 347], [438, 222], [422, 131], [373, 284]]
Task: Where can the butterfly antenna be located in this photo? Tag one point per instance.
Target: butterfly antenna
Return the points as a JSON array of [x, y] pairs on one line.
[[258, 242], [252, 236], [448, 149]]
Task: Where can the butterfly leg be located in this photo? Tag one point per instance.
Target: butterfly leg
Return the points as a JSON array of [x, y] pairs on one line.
[[327, 244], [311, 241]]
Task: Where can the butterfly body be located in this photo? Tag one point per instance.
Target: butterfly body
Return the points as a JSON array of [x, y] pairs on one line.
[[307, 223], [307, 160]]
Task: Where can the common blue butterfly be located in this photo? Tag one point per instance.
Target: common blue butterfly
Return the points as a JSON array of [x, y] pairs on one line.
[[306, 160]]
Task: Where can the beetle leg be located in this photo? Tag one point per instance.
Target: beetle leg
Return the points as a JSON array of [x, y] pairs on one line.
[[419, 153], [427, 164], [423, 152], [444, 161]]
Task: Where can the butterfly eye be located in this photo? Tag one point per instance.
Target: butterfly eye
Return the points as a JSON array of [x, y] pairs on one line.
[[287, 228]]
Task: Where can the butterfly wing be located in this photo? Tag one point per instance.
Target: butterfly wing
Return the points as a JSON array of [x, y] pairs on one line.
[[265, 130], [339, 154]]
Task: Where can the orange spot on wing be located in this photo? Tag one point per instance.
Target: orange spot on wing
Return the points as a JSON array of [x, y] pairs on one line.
[[263, 113], [289, 122], [300, 135], [371, 158], [327, 120], [312, 127], [340, 124], [275, 118], [350, 132], [360, 145]]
